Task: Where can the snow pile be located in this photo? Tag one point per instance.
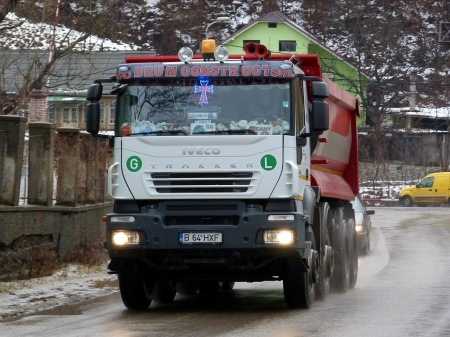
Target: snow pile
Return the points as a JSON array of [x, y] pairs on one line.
[[20, 33], [431, 112], [72, 284], [383, 189]]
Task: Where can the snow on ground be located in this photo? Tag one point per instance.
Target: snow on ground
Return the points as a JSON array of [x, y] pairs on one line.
[[72, 284], [20, 33]]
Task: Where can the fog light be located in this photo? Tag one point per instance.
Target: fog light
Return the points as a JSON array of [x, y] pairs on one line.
[[281, 217], [122, 238], [122, 219], [221, 54], [185, 54], [282, 237], [358, 228]]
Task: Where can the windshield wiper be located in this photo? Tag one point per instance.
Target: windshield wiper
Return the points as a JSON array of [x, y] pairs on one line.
[[228, 132], [161, 132]]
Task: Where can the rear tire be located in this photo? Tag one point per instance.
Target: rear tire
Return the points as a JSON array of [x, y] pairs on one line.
[[352, 247], [297, 286], [135, 290], [341, 275], [323, 283]]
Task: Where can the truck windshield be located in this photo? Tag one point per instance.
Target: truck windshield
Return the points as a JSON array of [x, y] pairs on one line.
[[204, 106]]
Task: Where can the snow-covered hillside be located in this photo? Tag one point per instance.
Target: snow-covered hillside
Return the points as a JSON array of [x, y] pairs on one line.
[[20, 33]]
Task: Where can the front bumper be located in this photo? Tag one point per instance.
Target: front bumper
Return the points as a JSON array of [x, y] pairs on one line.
[[241, 228]]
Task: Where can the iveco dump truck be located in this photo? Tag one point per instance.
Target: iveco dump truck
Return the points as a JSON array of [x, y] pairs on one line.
[[230, 168]]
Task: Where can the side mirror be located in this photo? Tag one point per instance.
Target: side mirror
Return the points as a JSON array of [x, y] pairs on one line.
[[93, 117], [370, 212], [320, 90], [320, 116], [94, 92]]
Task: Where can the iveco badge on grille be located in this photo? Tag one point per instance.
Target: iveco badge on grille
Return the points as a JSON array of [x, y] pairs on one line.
[[201, 151]]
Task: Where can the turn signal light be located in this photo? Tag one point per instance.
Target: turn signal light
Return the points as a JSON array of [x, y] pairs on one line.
[[208, 47]]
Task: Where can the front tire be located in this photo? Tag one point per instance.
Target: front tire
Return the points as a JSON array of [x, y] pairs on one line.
[[406, 201], [135, 290], [297, 286], [165, 292]]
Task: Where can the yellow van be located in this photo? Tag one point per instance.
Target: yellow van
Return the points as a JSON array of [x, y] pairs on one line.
[[433, 189]]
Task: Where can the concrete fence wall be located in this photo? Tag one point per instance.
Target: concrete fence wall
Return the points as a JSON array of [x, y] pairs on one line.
[[60, 217]]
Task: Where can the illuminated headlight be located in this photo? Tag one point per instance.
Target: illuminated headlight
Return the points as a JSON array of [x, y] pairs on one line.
[[122, 238], [282, 237], [185, 54], [359, 228], [122, 219], [281, 217], [221, 54]]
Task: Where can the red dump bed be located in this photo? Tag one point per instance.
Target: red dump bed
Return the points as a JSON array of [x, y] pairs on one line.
[[335, 168]]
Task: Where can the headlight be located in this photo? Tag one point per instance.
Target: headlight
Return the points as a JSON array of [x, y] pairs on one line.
[[359, 228], [281, 217], [282, 237], [122, 238]]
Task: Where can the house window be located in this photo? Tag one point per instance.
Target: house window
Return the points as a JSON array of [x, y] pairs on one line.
[[51, 113], [66, 115], [250, 41], [426, 183], [112, 115], [75, 112], [290, 46]]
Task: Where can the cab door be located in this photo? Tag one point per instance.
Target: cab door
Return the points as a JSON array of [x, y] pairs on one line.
[[425, 190]]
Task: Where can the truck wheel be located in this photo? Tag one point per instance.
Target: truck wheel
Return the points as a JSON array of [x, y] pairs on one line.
[[406, 201], [165, 292], [135, 290], [187, 288], [227, 285], [297, 286], [352, 246], [209, 288], [322, 286], [341, 275]]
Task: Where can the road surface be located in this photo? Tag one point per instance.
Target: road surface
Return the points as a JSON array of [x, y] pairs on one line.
[[403, 290]]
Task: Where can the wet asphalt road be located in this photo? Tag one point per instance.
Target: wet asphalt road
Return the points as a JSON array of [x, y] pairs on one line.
[[403, 290]]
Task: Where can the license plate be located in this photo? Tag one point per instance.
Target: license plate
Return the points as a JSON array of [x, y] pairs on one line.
[[200, 237]]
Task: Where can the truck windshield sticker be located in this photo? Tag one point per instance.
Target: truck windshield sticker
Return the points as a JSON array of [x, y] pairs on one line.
[[268, 162], [204, 88], [134, 163]]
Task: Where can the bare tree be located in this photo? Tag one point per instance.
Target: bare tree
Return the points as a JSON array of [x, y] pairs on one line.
[[34, 72]]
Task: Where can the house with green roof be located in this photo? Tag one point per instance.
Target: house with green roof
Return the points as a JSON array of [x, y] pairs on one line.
[[280, 34]]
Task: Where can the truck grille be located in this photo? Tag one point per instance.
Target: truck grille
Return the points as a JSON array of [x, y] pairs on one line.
[[201, 182]]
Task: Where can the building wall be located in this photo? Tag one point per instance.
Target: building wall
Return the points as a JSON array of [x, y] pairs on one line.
[[270, 37], [72, 114]]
